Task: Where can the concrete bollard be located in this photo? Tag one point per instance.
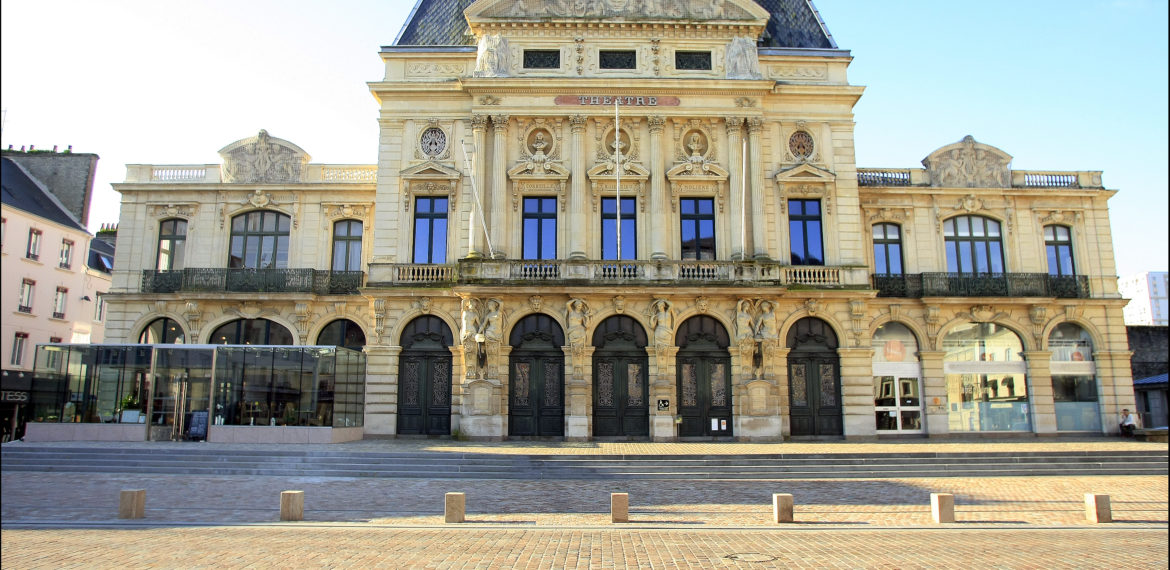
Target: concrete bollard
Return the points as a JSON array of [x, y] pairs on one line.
[[942, 507], [292, 505], [619, 507], [782, 508], [454, 507], [1097, 508], [132, 504]]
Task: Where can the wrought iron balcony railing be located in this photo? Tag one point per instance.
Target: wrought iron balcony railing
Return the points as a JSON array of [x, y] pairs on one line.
[[252, 281], [982, 285]]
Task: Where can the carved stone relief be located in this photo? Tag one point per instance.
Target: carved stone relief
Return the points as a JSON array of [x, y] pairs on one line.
[[492, 57], [187, 210], [969, 164], [631, 10], [262, 159], [743, 61]]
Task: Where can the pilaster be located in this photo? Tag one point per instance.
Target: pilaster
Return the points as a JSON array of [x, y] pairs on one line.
[[756, 185], [659, 218], [934, 393], [857, 392], [475, 241], [735, 181], [1040, 395], [578, 201], [497, 202]]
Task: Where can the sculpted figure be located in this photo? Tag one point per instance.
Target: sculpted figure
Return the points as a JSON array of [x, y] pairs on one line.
[[662, 319], [470, 322], [743, 320], [492, 59], [766, 321], [742, 60], [490, 327], [577, 316]]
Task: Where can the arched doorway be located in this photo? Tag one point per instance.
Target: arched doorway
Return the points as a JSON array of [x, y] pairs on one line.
[[621, 393], [814, 380], [424, 378], [536, 400], [344, 333], [704, 378]]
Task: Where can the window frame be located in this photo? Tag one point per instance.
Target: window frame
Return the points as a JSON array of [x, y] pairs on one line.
[[65, 259], [33, 251], [99, 307], [696, 217], [176, 254], [426, 218], [802, 220], [349, 244], [987, 244], [883, 244], [244, 236], [19, 344], [544, 214], [604, 53], [60, 302], [629, 227], [1054, 246], [540, 52], [692, 53], [28, 289]]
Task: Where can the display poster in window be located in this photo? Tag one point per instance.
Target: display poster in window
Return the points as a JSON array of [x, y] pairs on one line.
[[198, 429]]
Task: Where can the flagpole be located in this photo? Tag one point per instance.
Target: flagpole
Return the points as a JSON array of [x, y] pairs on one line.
[[743, 201], [475, 193], [617, 146]]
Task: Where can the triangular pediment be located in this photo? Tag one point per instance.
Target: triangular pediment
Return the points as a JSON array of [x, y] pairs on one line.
[[430, 170], [805, 174], [706, 11]]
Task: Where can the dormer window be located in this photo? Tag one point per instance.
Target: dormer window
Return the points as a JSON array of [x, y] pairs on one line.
[[692, 60], [542, 59], [618, 59]]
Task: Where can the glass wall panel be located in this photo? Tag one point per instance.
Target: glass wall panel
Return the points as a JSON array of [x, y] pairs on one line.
[[986, 379], [1074, 381]]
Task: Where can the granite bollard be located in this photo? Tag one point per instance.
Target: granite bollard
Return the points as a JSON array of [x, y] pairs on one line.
[[454, 507], [1097, 508], [782, 507], [132, 504], [619, 507], [292, 505]]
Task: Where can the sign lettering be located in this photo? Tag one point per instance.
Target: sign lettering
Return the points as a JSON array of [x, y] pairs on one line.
[[620, 100]]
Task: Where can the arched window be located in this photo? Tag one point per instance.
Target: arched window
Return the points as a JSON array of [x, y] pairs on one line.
[[259, 241], [986, 379], [344, 333], [347, 245], [973, 245], [897, 379], [162, 331], [887, 249], [1058, 243], [1074, 381], [172, 240], [251, 331]]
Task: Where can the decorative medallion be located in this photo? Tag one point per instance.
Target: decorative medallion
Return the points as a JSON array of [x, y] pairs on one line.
[[433, 142], [800, 144]]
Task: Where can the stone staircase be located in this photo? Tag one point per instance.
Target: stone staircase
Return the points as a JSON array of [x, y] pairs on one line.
[[460, 465]]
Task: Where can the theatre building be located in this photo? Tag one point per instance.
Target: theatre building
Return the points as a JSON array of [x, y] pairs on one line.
[[636, 220]]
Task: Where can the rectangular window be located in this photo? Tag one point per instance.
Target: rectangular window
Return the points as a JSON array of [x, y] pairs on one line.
[[59, 303], [3, 231], [18, 343], [542, 59], [609, 225], [66, 260], [27, 288], [1058, 244], [887, 249], [99, 308], [430, 230], [540, 228], [618, 59], [804, 230], [697, 231], [692, 60], [34, 244]]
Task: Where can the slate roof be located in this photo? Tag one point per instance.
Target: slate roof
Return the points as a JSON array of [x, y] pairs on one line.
[[101, 256], [794, 24], [23, 192]]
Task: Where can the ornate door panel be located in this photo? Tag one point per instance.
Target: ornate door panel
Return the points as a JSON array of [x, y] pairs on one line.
[[704, 393], [620, 396], [536, 405], [424, 394], [814, 393]]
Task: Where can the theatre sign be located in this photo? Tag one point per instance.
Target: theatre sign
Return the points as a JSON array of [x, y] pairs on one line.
[[624, 100]]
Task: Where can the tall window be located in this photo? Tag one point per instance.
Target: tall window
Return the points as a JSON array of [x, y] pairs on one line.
[[887, 249], [66, 259], [260, 241], [162, 331], [347, 245], [172, 240], [430, 230], [27, 288], [540, 228], [697, 217], [99, 308], [1058, 242], [973, 245], [18, 343], [804, 228], [1074, 381], [609, 246], [34, 244], [59, 303]]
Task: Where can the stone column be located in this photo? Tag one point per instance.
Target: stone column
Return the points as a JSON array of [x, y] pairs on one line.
[[475, 241], [755, 184], [934, 393], [783, 402], [663, 386], [578, 393], [496, 204], [735, 186], [1040, 396], [659, 224], [578, 202], [857, 392]]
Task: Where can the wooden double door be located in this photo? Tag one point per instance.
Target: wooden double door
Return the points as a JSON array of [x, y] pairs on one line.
[[424, 378], [814, 380], [536, 379]]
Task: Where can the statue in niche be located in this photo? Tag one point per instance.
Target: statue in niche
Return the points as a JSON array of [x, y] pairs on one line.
[[696, 146], [577, 316], [492, 59], [744, 328], [742, 59], [662, 320]]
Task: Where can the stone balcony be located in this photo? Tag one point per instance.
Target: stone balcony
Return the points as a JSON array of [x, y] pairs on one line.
[[628, 273]]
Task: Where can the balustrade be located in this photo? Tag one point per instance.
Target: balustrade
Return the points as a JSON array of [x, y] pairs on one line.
[[217, 280], [981, 285]]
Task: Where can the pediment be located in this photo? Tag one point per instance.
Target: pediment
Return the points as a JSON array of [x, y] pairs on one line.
[[969, 164], [533, 170], [630, 171], [805, 174], [698, 171], [263, 159], [430, 170], [621, 10]]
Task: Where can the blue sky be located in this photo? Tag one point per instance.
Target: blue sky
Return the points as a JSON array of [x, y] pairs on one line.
[[1059, 85]]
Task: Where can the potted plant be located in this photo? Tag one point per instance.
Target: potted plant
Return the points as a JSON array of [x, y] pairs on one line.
[[131, 408]]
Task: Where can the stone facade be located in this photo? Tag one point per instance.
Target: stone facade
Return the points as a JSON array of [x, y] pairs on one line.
[[747, 298]]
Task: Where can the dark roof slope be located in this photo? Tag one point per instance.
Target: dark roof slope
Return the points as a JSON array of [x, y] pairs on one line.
[[794, 24], [101, 255], [20, 191]]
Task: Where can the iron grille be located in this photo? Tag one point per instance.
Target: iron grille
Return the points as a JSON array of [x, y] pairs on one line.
[[612, 59], [692, 60], [542, 59]]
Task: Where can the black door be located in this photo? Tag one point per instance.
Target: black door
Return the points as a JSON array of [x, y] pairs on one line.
[[704, 378], [621, 393], [536, 401], [814, 382], [424, 378]]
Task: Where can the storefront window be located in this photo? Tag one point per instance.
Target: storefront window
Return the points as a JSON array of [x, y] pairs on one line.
[[897, 379], [1074, 381], [986, 379]]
